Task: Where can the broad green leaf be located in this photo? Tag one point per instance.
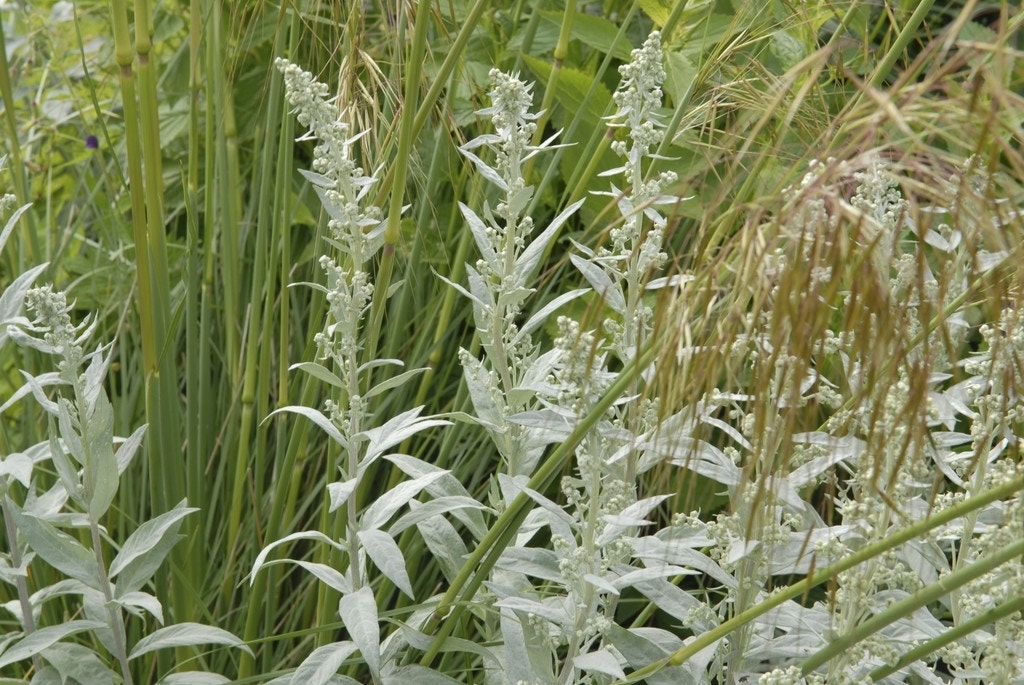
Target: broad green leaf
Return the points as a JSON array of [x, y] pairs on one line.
[[138, 571], [58, 549], [323, 663], [147, 536], [32, 644], [186, 635], [577, 92], [387, 556], [596, 32], [359, 614]]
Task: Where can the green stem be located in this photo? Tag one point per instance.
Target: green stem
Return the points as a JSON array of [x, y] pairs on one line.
[[480, 562], [804, 586]]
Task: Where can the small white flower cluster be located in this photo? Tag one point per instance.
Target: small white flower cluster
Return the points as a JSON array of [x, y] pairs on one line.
[[342, 187], [61, 338]]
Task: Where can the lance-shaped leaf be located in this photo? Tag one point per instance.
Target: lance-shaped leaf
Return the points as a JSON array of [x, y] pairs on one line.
[[387, 556], [359, 613], [186, 635], [320, 667], [58, 549], [147, 538], [39, 640]]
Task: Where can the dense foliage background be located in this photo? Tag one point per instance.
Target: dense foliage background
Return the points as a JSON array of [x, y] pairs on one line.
[[162, 163]]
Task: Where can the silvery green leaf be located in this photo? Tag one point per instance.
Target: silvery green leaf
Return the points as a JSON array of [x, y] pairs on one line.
[[303, 535], [385, 506], [396, 431], [35, 385], [393, 382], [642, 647], [101, 464], [147, 537], [193, 678], [316, 417], [414, 673], [547, 611], [359, 614], [186, 635], [340, 492], [601, 584], [518, 663], [12, 223], [68, 434], [655, 552], [445, 544], [13, 297], [445, 486], [320, 372], [328, 575], [142, 600], [374, 363], [323, 663], [387, 556], [839, 449], [631, 516], [639, 575], [481, 292], [481, 235], [316, 179], [485, 170], [601, 283], [95, 375], [544, 312], [526, 265], [480, 386], [18, 466], [465, 293], [673, 600], [601, 661], [536, 562], [670, 281], [138, 572], [435, 507], [58, 549], [35, 642], [22, 339], [129, 447], [77, 663], [556, 425]]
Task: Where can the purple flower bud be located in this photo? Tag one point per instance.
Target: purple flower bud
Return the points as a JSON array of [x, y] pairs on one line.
[[92, 142]]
